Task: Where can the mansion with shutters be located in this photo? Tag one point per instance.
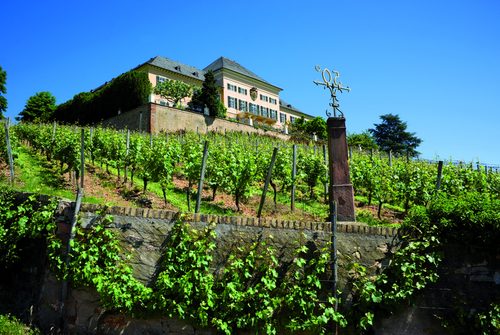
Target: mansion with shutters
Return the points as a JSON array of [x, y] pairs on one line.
[[247, 97]]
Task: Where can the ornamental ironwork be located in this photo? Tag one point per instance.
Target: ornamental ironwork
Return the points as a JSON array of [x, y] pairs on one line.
[[333, 85]]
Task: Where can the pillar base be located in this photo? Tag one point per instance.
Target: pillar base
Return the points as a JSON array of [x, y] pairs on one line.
[[344, 195]]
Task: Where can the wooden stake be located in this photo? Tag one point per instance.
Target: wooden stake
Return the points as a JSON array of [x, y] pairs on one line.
[[266, 184], [202, 177]]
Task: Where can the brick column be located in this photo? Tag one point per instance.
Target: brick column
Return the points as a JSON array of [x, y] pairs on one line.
[[152, 118]]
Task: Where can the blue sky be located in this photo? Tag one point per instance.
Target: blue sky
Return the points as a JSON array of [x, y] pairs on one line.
[[435, 63]]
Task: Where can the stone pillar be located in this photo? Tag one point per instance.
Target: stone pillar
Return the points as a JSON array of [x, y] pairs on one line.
[[340, 184], [153, 121]]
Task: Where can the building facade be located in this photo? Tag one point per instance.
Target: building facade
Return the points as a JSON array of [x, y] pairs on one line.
[[247, 97]]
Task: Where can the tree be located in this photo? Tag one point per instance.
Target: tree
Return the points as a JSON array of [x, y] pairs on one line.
[[209, 97], [364, 140], [173, 90], [3, 90], [303, 131], [391, 135], [38, 108]]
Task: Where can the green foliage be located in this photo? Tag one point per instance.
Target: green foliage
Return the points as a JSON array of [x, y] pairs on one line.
[[364, 141], [391, 135], [173, 90], [209, 96], [95, 261], [241, 169], [63, 145], [248, 289], [303, 131], [305, 305], [312, 169], [38, 108], [489, 322], [130, 90], [20, 222], [9, 325], [3, 90], [185, 286], [469, 219], [472, 218], [412, 268]]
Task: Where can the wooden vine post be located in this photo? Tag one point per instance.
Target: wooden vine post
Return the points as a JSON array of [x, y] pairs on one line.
[[294, 175], [9, 150], [202, 177], [439, 175], [127, 152], [266, 184]]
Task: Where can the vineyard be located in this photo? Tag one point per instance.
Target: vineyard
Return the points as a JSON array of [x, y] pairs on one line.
[[443, 204], [170, 166]]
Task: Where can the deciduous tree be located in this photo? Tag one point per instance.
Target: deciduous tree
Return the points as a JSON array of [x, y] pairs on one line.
[[303, 130], [173, 90], [362, 140], [38, 108]]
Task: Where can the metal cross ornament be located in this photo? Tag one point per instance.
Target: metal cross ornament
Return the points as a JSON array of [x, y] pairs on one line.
[[333, 85]]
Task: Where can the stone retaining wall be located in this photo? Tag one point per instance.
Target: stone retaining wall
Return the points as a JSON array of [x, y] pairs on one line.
[[142, 232], [156, 118]]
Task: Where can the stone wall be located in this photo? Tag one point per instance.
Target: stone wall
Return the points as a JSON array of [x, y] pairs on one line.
[[131, 120], [468, 273], [157, 118], [142, 233], [469, 280]]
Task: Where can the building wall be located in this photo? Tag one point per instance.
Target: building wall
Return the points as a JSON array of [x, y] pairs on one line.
[[223, 79], [265, 98], [154, 73]]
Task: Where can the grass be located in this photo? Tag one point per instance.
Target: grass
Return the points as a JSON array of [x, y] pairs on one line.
[[34, 174], [364, 200], [9, 325]]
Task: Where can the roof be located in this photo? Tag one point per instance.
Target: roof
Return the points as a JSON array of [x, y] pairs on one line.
[[173, 66], [285, 104], [225, 63]]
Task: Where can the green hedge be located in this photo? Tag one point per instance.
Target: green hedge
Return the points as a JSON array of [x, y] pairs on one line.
[[128, 91]]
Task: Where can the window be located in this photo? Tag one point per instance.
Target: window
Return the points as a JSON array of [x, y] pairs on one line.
[[292, 119], [273, 101], [243, 105], [273, 114], [282, 118], [254, 109], [160, 79], [242, 90], [231, 102], [263, 97], [231, 87], [264, 111]]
